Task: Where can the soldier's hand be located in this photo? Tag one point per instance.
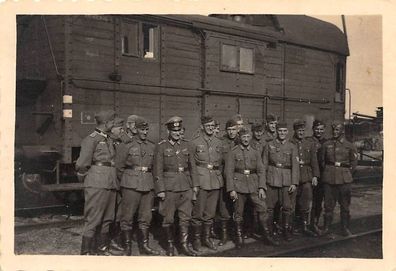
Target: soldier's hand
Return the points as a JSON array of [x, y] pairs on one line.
[[196, 189], [161, 195], [261, 193], [233, 195], [314, 181], [292, 188]]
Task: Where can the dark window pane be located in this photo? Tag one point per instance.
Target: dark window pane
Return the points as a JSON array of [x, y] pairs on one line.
[[149, 41], [130, 38], [246, 60], [229, 55]]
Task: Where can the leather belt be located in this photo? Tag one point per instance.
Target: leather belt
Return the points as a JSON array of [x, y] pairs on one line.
[[279, 165], [104, 164], [207, 165], [339, 164], [246, 171], [176, 170], [138, 168], [303, 164]]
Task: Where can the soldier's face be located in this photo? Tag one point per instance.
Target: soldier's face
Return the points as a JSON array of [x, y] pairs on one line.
[[258, 134], [272, 126], [239, 124], [116, 131], [300, 133], [131, 127], [337, 131], [182, 133], [174, 135], [318, 131], [142, 133], [245, 139], [216, 130], [108, 125], [209, 128], [282, 133], [232, 132]]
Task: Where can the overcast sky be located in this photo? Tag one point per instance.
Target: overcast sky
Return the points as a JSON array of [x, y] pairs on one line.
[[364, 65]]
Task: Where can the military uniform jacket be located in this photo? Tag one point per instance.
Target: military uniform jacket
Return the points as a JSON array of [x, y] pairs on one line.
[[318, 145], [308, 160], [208, 157], [239, 160], [339, 157], [282, 163], [268, 136], [227, 145], [97, 148], [134, 162], [258, 145], [168, 158]]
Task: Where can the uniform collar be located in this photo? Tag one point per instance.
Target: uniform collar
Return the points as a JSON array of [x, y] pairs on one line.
[[141, 141], [296, 140], [173, 142], [281, 142], [341, 139], [207, 138], [244, 148], [100, 132]]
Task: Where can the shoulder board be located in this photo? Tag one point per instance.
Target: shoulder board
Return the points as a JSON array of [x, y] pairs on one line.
[[149, 141], [235, 147], [93, 134], [161, 142]]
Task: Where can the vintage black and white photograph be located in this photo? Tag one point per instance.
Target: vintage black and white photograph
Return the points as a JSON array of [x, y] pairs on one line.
[[217, 135]]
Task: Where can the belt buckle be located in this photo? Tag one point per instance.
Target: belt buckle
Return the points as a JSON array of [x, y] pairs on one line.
[[278, 164], [210, 166], [112, 163], [144, 169], [246, 171], [180, 169], [337, 164]]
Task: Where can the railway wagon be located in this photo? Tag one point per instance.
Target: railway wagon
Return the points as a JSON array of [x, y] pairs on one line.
[[156, 66]]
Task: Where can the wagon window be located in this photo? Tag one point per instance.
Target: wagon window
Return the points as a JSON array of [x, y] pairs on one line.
[[150, 41], [340, 83], [129, 39], [246, 60], [229, 60]]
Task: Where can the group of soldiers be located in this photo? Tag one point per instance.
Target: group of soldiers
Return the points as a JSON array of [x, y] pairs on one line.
[[282, 182]]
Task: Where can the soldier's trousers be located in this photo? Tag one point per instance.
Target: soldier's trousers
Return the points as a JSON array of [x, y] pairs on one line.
[[334, 193], [280, 195], [136, 201], [225, 205], [118, 207], [317, 200], [176, 201], [259, 205], [98, 210], [304, 197], [204, 208]]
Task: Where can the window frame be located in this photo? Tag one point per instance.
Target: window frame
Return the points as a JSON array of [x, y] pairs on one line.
[[238, 60], [122, 25], [340, 81]]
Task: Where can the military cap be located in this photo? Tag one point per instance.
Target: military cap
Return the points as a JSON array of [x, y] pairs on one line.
[[231, 123], [257, 127], [217, 123], [271, 117], [206, 119], [118, 122], [106, 115], [317, 123], [174, 123], [141, 123], [237, 117], [298, 124], [132, 118], [337, 123], [281, 124], [244, 131]]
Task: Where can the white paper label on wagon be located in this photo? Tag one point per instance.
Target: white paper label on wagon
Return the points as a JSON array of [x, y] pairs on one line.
[[67, 99], [67, 113]]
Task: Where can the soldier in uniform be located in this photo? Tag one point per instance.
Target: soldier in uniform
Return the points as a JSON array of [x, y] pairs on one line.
[[217, 128], [134, 166], [309, 173], [258, 142], [130, 126], [245, 175], [339, 158], [207, 152], [318, 129], [271, 122], [281, 160], [175, 183], [95, 167], [225, 204]]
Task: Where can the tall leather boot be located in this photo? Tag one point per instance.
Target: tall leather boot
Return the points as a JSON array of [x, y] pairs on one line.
[[223, 233], [104, 246], [345, 218], [286, 226], [328, 219], [184, 242], [127, 242], [116, 242], [144, 243], [238, 234], [207, 241], [196, 238], [267, 235], [170, 248], [305, 226], [86, 245], [212, 232]]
